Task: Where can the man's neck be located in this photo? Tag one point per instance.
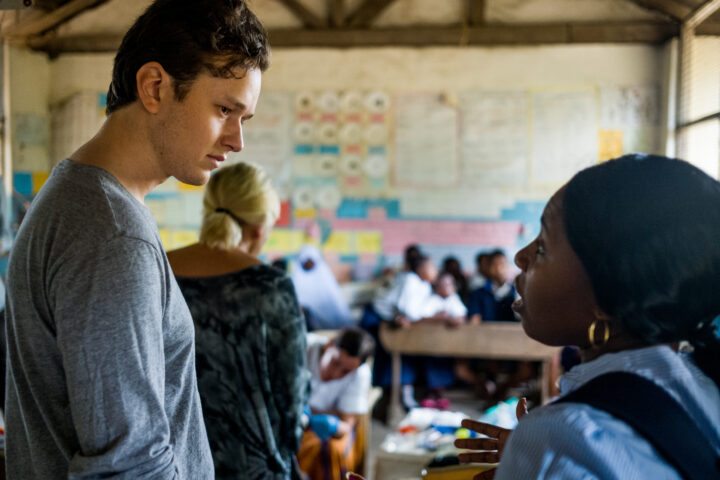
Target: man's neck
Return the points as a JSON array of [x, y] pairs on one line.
[[123, 148]]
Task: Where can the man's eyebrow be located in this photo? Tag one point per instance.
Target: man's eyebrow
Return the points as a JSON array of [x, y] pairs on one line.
[[543, 222], [236, 103]]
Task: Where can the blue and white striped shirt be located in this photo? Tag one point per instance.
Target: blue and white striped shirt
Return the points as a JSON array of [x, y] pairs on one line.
[[576, 441]]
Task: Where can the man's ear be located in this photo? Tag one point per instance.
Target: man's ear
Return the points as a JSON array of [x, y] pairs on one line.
[[153, 85]]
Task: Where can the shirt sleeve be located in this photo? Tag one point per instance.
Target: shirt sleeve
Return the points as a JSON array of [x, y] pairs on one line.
[[572, 441], [354, 399], [412, 298], [108, 305], [289, 376], [456, 307]]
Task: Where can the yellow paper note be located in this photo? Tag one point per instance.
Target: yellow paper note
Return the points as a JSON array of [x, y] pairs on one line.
[[368, 242], [278, 241], [610, 144], [165, 238], [338, 242], [38, 180], [305, 213]]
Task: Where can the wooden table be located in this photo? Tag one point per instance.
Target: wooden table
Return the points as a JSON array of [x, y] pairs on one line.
[[495, 340]]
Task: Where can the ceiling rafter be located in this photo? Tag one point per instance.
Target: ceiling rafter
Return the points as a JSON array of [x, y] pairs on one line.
[[336, 13], [555, 33], [702, 13], [476, 12], [677, 10], [39, 21], [367, 12], [308, 18]]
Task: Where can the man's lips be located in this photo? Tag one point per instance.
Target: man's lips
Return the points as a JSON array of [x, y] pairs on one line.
[[218, 158]]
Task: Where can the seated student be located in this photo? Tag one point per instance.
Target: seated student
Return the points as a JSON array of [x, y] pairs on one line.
[[404, 304], [332, 445], [627, 291], [445, 302], [452, 266], [480, 277], [444, 306], [492, 302], [318, 291]]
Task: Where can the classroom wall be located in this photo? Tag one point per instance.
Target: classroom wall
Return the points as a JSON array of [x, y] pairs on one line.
[[458, 148]]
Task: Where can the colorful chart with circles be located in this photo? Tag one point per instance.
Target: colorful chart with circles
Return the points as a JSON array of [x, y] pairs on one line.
[[341, 140]]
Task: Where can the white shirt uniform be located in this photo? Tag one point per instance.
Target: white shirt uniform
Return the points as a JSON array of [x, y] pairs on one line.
[[407, 296], [348, 394], [452, 305]]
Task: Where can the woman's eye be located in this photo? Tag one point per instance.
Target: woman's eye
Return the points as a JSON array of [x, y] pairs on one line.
[[539, 248], [224, 110]]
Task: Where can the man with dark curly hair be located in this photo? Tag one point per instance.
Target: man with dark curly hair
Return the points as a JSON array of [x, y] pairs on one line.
[[101, 371]]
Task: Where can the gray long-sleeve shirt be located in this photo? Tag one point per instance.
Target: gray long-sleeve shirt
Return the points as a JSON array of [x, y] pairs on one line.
[[101, 373]]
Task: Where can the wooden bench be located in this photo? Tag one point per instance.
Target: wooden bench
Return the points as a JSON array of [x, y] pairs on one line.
[[495, 340]]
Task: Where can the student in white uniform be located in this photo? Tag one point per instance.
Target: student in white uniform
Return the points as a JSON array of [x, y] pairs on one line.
[[445, 302], [404, 302], [340, 382]]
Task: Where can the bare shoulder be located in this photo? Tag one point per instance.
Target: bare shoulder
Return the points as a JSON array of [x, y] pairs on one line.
[[200, 261]]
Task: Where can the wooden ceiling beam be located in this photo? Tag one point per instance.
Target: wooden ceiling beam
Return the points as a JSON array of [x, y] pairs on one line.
[[604, 32], [308, 18], [674, 9], [336, 13], [367, 12], [39, 21], [476, 12], [702, 13]]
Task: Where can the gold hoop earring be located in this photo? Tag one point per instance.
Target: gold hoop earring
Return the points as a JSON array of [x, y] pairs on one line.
[[592, 330]]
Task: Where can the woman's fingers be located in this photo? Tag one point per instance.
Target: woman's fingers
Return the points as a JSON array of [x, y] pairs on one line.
[[484, 428], [477, 443], [521, 409], [479, 457]]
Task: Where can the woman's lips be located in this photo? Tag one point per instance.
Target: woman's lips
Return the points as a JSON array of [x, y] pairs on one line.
[[517, 305]]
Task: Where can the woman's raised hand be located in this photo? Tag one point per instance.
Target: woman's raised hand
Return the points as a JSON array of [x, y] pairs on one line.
[[492, 447]]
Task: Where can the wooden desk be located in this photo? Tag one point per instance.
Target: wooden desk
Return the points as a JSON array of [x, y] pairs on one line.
[[496, 340]]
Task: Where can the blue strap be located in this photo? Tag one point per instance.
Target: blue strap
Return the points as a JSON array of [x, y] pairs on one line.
[[656, 416]]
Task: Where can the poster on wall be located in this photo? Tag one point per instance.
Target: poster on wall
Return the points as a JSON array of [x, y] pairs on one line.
[[426, 145], [564, 134], [494, 145]]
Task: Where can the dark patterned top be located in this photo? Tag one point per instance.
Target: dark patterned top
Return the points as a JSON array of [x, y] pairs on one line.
[[250, 343]]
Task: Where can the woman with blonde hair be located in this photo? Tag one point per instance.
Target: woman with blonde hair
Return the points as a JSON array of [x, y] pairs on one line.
[[250, 333]]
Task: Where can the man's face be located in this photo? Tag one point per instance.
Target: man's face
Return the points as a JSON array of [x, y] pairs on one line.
[[335, 363], [193, 136]]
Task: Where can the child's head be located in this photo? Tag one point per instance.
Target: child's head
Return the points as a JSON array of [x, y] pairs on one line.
[[481, 263], [445, 285], [411, 252], [423, 267], [630, 246], [497, 267], [452, 266]]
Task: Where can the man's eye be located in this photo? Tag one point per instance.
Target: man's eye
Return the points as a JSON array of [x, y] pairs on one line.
[[224, 110]]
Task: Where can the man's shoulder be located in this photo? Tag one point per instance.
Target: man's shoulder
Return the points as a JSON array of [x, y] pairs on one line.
[[89, 199]]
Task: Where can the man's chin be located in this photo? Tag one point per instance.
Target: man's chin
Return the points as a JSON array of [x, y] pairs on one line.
[[197, 180]]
